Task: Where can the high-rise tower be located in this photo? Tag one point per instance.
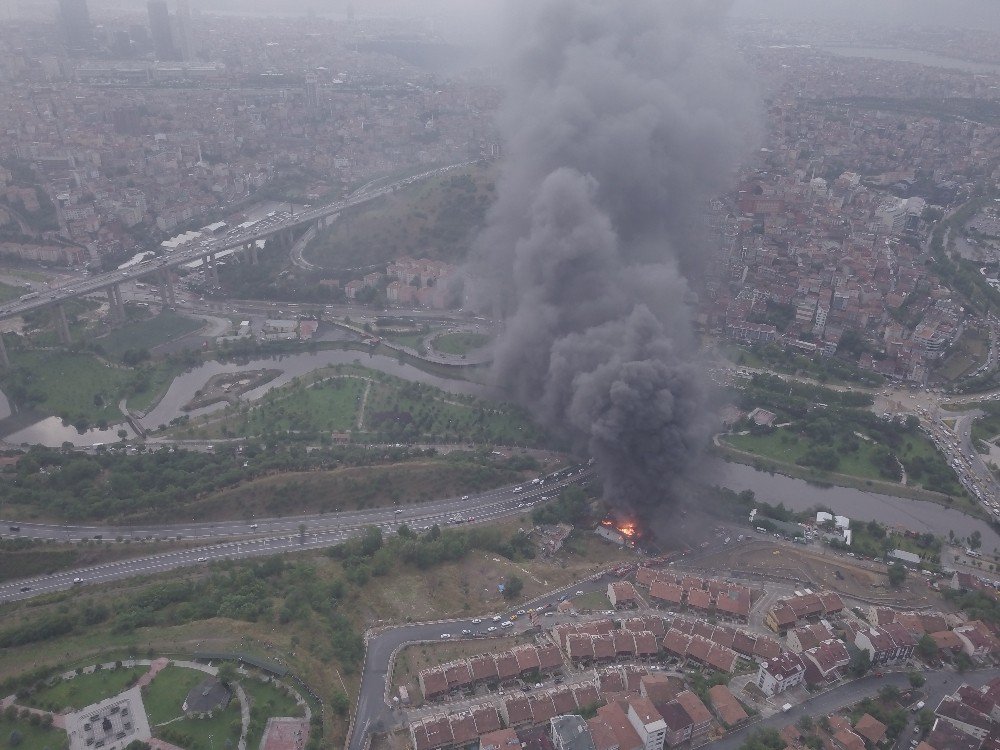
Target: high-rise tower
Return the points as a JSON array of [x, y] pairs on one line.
[[75, 19], [159, 30], [185, 47]]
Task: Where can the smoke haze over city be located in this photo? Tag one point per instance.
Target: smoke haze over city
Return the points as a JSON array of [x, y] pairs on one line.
[[621, 119]]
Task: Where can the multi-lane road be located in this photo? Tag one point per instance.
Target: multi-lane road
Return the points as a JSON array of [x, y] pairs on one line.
[[243, 539], [236, 237]]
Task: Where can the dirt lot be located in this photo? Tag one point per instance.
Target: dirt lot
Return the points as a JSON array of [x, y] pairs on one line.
[[469, 586], [857, 579]]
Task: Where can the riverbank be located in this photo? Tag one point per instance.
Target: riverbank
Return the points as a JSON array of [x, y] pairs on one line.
[[834, 479], [858, 504]]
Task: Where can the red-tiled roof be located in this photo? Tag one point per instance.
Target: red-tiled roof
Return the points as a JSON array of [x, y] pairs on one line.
[[700, 600], [518, 710], [667, 592], [692, 704], [487, 719], [483, 668], [506, 666], [646, 644], [463, 728], [563, 701], [604, 646], [541, 708], [726, 706], [434, 682], [549, 656], [870, 728], [527, 658], [676, 643], [624, 642]]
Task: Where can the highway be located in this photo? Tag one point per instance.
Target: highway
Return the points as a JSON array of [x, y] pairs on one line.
[[235, 238], [243, 539]]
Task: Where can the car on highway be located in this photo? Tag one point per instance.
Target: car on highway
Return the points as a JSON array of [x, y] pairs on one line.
[[477, 621], [446, 635], [466, 631]]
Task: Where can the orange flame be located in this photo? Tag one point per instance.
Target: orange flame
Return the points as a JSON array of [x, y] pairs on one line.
[[627, 528]]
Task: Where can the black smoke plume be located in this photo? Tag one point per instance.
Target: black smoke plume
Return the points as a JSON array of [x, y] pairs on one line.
[[622, 117]]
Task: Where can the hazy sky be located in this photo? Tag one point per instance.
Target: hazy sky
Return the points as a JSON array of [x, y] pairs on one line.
[[963, 13], [969, 13]]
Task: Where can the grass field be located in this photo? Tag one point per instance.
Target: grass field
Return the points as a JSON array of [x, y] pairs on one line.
[[967, 353], [266, 700], [327, 405], [788, 446], [594, 600], [350, 488], [164, 696], [32, 737], [986, 427], [147, 334], [66, 384], [8, 292], [85, 689], [410, 412], [460, 343], [205, 734], [434, 217], [410, 340], [395, 410]]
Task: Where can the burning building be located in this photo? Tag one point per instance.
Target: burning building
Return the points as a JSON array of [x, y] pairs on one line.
[[622, 533]]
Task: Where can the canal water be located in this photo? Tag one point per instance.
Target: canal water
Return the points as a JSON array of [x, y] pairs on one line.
[[799, 495]]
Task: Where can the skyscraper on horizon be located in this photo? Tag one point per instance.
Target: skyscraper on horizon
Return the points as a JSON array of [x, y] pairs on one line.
[[159, 30], [75, 19], [185, 47]]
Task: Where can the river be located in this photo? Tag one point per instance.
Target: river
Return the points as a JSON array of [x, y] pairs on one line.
[[797, 494], [917, 57], [182, 389]]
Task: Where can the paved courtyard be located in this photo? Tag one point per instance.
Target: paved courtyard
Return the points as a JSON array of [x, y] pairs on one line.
[[285, 734], [110, 724]]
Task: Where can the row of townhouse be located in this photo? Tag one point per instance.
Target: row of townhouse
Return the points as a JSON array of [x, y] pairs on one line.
[[708, 596], [791, 611], [501, 668], [634, 710], [951, 634]]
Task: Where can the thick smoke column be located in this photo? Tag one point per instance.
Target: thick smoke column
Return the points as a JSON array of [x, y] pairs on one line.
[[622, 117]]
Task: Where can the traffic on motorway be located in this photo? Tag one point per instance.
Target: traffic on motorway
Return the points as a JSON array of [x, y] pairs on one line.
[[279, 535], [236, 237]]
